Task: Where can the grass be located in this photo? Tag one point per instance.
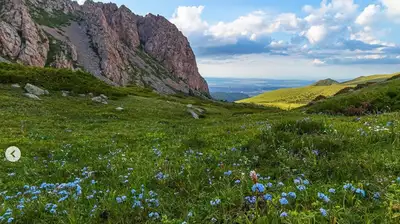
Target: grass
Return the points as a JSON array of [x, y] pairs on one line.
[[194, 171], [378, 98], [371, 78], [291, 98]]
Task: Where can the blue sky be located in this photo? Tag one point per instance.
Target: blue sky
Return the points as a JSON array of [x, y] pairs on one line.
[[286, 39]]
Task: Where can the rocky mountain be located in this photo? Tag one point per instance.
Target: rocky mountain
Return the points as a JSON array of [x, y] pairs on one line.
[[111, 42]]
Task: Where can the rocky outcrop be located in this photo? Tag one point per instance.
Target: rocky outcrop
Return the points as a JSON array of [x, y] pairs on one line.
[[167, 44], [21, 39], [108, 41]]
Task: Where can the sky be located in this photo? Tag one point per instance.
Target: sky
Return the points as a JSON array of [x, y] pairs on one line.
[[285, 39]]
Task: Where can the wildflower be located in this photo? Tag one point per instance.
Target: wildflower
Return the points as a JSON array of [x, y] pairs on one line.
[[20, 207], [268, 197], [10, 220], [280, 184], [323, 212], [215, 202], [53, 211], [360, 191], [154, 215], [190, 214], [269, 185], [228, 173], [133, 191], [63, 198], [306, 182], [332, 191], [119, 200], [283, 194], [161, 176], [283, 201], [284, 214], [258, 188], [323, 197], [292, 194], [93, 182], [316, 152], [251, 199], [301, 187], [377, 195], [137, 203], [296, 181], [214, 220], [237, 181], [130, 169], [253, 176], [348, 186]]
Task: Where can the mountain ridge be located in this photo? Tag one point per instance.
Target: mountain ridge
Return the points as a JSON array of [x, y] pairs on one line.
[[111, 42]]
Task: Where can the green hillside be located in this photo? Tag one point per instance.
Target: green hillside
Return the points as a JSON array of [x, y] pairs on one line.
[[292, 98], [380, 97], [371, 78], [152, 162]]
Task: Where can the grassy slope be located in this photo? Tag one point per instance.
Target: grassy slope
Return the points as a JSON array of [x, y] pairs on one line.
[[64, 138], [291, 98], [380, 97], [371, 78], [297, 97]]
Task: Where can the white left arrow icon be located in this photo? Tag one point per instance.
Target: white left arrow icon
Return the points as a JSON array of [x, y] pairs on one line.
[[13, 154]]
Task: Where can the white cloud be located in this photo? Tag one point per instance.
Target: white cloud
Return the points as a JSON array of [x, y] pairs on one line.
[[318, 62], [392, 7], [369, 15], [188, 19], [316, 34]]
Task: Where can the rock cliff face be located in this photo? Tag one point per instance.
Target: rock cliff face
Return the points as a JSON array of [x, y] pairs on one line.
[[111, 42]]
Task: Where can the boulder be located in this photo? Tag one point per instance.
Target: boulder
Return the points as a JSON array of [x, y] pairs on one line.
[[99, 99], [194, 115], [35, 90], [15, 85], [65, 93], [32, 96], [104, 96]]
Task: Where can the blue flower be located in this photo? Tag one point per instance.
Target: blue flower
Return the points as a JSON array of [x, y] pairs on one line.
[[301, 188], [63, 198], [360, 191], [283, 194], [119, 200], [348, 186], [228, 173], [332, 191], [283, 201], [323, 197], [268, 197], [306, 182], [215, 202], [258, 187], [10, 220], [93, 182], [154, 215], [237, 181], [251, 199], [323, 212], [377, 195], [53, 211], [283, 215], [269, 185], [297, 181], [133, 191], [292, 194]]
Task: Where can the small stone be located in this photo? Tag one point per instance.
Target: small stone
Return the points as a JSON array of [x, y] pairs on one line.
[[35, 90], [119, 109], [99, 99], [32, 96], [104, 96], [65, 93], [194, 115], [15, 85], [82, 95]]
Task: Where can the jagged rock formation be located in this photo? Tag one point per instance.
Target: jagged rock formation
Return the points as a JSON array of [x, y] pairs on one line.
[[110, 42]]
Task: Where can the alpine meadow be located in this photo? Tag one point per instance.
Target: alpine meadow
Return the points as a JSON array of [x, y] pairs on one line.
[[212, 115]]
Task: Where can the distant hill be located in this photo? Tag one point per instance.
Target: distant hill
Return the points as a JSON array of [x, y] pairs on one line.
[[326, 82], [229, 97], [371, 78], [380, 97], [292, 98]]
